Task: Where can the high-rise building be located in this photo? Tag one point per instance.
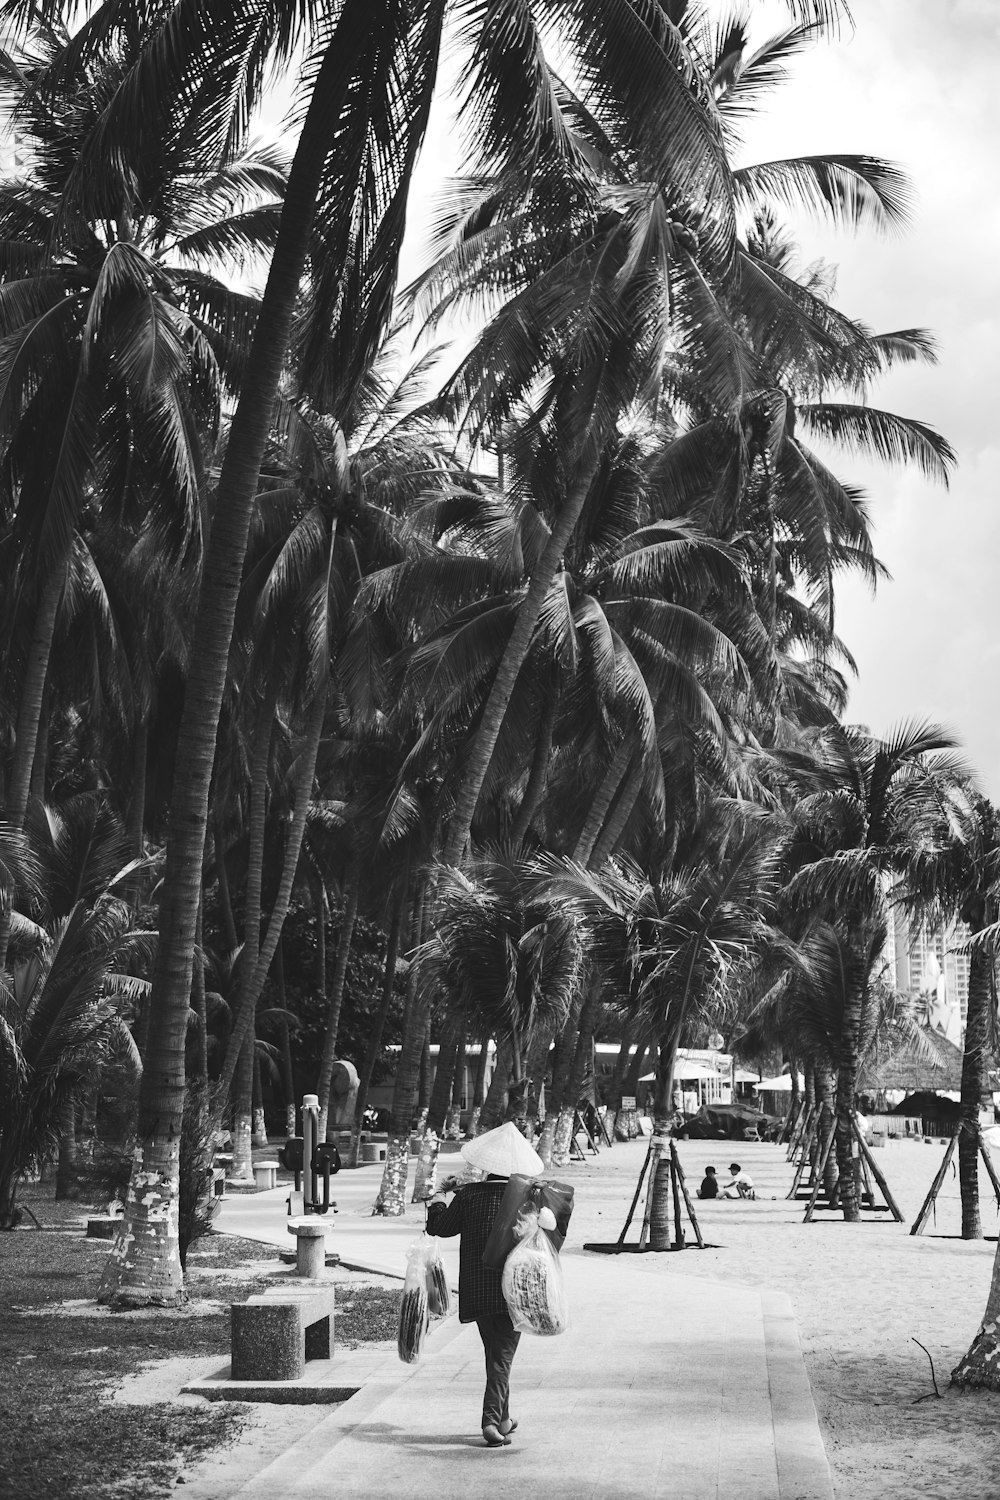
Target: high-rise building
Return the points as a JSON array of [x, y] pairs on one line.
[[929, 967]]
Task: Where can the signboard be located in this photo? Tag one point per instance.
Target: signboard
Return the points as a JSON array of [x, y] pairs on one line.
[[628, 1101]]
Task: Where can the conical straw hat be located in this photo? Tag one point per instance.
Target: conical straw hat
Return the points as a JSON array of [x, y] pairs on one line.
[[502, 1152]]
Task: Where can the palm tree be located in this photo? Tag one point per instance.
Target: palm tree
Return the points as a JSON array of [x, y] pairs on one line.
[[113, 337], [370, 82], [60, 1019], [506, 959], [953, 873], [851, 841]]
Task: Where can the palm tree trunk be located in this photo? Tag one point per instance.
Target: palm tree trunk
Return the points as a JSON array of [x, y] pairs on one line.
[[827, 1113], [144, 1265], [66, 1165], [258, 1135], [287, 1071], [391, 1200], [495, 1103], [137, 803], [304, 774], [321, 907], [979, 1368], [228, 920], [198, 1001], [375, 1035], [453, 1124], [478, 1090], [29, 710], [590, 1013], [242, 1169], [444, 1073], [562, 1063], [847, 1084], [601, 805], [492, 717], [977, 1024], [28, 717], [351, 900], [536, 1067], [614, 829], [538, 775], [424, 1089], [40, 768]]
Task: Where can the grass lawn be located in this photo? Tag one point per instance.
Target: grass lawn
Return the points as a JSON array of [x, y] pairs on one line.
[[61, 1435]]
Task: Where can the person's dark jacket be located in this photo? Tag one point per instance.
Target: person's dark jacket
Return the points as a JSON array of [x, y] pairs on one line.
[[471, 1213], [709, 1187]]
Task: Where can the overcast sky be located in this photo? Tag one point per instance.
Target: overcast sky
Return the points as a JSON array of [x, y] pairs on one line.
[[918, 82]]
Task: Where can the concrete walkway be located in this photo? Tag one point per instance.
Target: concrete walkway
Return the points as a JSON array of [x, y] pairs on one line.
[[664, 1385]]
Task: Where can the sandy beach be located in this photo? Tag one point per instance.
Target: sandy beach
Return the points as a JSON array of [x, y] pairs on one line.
[[861, 1294]]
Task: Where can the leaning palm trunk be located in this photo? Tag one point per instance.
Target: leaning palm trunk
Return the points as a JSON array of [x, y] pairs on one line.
[[337, 988], [304, 774], [614, 829], [509, 669], [144, 1265], [979, 1368], [28, 719], [495, 1105], [590, 1013], [562, 1063], [601, 805], [444, 1074], [977, 1024], [391, 1200], [826, 1117], [375, 1035], [478, 1090], [453, 1126], [242, 1169]]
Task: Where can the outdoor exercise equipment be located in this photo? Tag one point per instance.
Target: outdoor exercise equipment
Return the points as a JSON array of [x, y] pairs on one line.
[[313, 1161]]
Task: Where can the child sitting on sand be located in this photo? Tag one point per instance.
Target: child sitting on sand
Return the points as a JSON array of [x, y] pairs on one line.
[[740, 1185], [709, 1184]]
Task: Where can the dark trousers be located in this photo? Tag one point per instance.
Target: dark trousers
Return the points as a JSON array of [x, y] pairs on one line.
[[500, 1341]]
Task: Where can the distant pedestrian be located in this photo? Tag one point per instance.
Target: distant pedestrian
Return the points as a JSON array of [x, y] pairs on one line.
[[709, 1184], [471, 1213]]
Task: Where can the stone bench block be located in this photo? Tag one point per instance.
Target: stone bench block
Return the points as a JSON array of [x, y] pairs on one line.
[[265, 1175], [273, 1335]]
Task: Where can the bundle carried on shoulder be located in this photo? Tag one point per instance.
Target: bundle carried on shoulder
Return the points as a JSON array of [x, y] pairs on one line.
[[522, 1196], [533, 1279]]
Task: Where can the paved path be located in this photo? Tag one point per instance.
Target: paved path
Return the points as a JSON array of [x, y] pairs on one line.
[[664, 1385]]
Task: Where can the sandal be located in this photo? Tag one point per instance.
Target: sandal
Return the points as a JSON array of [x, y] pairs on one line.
[[494, 1438]]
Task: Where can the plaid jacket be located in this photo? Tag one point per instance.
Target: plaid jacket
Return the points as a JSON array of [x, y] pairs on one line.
[[471, 1213]]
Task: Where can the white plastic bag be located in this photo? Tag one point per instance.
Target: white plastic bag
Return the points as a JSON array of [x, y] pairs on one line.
[[532, 1282], [413, 1311]]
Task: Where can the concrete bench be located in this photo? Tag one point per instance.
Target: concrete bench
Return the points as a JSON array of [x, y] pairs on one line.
[[273, 1335], [265, 1174]]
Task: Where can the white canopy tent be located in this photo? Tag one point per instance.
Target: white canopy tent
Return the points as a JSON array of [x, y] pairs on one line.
[[782, 1084]]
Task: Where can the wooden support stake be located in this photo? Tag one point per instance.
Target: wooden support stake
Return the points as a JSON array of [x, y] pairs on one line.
[[989, 1166], [877, 1172], [825, 1157], [675, 1188], [687, 1196], [935, 1187], [807, 1142], [635, 1198], [803, 1125]]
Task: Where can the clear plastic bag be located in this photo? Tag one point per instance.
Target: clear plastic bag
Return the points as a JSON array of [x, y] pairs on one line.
[[533, 1285], [438, 1292], [414, 1315]]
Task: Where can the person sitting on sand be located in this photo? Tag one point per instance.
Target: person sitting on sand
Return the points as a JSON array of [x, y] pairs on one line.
[[709, 1184], [740, 1185]]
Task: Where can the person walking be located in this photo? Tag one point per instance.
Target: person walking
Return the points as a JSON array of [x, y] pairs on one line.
[[471, 1214]]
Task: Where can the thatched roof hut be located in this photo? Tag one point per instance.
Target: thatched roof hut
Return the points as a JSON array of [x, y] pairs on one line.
[[914, 1071]]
